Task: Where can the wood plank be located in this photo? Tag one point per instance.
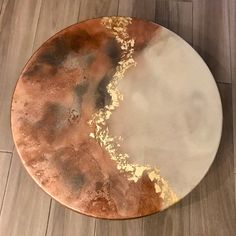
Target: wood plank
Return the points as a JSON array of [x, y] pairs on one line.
[[63, 221], [122, 228], [162, 13], [235, 189], [17, 30], [173, 221], [5, 162], [1, 4], [232, 23], [125, 8], [181, 19], [119, 227], [178, 0], [211, 36], [138, 8], [176, 16], [25, 207], [97, 8], [212, 209], [51, 20]]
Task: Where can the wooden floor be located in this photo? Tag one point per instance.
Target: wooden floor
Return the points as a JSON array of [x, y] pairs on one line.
[[210, 27]]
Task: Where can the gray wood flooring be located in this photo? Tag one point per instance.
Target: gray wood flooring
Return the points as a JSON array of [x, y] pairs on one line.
[[210, 27]]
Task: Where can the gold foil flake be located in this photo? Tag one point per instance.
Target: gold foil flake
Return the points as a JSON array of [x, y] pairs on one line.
[[92, 135], [118, 27], [139, 171], [153, 175], [157, 188], [128, 168]]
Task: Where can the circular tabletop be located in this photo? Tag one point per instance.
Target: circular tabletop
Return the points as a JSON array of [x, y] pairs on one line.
[[116, 117]]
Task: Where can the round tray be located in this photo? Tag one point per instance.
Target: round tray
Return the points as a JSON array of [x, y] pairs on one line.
[[116, 117]]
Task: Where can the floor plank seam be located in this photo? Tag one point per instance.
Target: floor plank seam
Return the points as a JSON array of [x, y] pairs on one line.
[[221, 82], [118, 5], [95, 226], [79, 11], [49, 213], [36, 28], [5, 151], [6, 185], [143, 234]]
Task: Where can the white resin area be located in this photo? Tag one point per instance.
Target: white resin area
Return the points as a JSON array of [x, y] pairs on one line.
[[171, 115]]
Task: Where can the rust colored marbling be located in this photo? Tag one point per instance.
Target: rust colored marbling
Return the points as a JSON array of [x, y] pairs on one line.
[[57, 93]]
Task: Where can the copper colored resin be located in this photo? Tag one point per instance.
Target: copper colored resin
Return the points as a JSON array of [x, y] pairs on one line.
[[59, 90]]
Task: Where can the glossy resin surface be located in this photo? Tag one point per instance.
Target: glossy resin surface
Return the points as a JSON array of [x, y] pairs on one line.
[[116, 117]]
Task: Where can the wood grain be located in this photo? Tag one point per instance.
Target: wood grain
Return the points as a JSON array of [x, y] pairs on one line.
[[162, 13], [50, 21], [17, 30], [176, 16], [97, 8], [232, 24], [235, 189], [118, 228], [212, 203], [212, 208], [138, 8], [173, 221], [181, 19], [1, 4], [5, 161], [26, 206], [211, 36], [63, 221], [178, 0]]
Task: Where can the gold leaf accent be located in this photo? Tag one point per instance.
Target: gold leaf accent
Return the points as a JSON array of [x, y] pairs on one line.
[[118, 27]]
